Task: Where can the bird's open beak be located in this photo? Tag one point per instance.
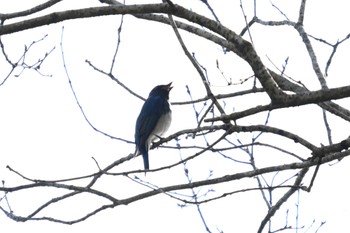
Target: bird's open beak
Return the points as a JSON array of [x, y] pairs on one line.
[[168, 86]]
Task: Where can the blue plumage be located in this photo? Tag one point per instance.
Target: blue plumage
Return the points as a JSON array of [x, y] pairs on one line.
[[153, 120]]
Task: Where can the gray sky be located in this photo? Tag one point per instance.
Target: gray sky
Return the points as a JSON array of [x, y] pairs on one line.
[[44, 135]]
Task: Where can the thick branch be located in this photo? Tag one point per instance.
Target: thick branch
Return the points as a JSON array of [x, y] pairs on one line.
[[138, 197], [30, 11], [242, 48], [308, 97], [82, 13]]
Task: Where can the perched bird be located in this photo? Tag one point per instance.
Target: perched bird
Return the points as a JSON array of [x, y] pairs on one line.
[[153, 120]]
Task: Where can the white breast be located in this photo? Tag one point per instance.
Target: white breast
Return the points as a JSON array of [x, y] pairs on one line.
[[163, 124], [161, 127]]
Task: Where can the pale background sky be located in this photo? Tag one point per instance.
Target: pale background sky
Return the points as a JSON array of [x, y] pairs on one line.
[[43, 134]]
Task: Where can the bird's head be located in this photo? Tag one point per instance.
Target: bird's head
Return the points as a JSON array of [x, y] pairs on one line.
[[161, 90]]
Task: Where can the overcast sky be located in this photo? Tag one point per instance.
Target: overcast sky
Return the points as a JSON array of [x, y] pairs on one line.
[[44, 135]]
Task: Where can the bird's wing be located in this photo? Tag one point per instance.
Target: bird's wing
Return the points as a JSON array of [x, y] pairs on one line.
[[150, 113]]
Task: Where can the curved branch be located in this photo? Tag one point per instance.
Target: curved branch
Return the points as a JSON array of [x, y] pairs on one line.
[[61, 16], [30, 11], [299, 99], [227, 178], [283, 199], [241, 47]]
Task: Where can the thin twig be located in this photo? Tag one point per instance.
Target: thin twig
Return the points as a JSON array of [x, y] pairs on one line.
[[283, 199], [118, 44], [111, 76], [328, 128], [246, 22], [194, 194], [210, 9], [77, 100], [195, 64]]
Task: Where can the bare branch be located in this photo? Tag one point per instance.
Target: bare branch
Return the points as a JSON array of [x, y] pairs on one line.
[[195, 64], [30, 11], [77, 189], [308, 97], [77, 101], [302, 12], [283, 199], [234, 145], [205, 2], [118, 44], [312, 55]]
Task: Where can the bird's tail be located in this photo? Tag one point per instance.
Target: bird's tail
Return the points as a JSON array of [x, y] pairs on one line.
[[145, 160]]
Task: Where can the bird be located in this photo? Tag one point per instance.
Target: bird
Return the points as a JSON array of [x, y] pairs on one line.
[[153, 121]]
